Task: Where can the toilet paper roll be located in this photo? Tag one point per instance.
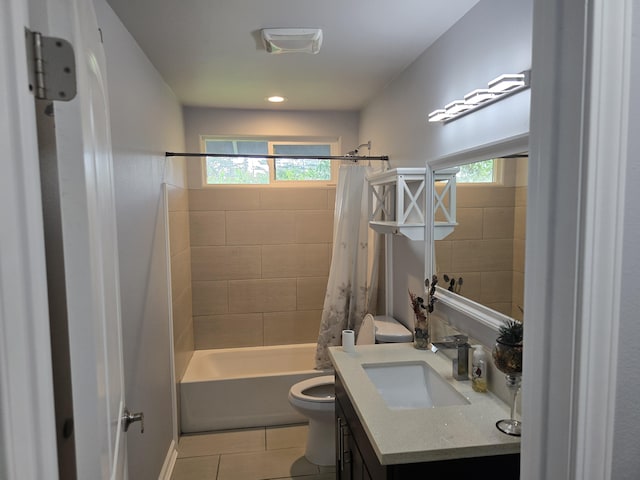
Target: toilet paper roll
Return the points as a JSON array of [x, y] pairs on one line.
[[348, 341]]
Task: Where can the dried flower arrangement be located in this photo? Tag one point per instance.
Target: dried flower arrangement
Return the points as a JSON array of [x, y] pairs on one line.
[[454, 285], [422, 309]]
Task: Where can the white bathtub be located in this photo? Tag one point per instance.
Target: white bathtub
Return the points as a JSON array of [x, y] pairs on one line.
[[243, 387]]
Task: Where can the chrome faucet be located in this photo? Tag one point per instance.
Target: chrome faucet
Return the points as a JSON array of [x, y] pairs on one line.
[[461, 363]]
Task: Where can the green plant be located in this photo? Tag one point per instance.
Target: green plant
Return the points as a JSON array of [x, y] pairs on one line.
[[511, 332]]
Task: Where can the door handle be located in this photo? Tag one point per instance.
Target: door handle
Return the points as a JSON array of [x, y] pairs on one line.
[[128, 418]]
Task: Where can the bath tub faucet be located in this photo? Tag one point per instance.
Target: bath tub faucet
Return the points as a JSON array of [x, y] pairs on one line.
[[461, 362]]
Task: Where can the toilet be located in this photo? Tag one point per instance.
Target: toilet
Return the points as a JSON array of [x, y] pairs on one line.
[[315, 397]]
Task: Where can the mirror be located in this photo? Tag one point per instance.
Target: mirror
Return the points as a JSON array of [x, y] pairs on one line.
[[486, 247]]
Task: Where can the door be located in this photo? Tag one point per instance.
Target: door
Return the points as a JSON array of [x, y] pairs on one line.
[[83, 180]]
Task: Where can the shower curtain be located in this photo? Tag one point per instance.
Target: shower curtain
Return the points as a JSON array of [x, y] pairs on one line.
[[348, 294]]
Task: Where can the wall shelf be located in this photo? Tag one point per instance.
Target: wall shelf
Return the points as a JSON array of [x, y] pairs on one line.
[[397, 202]]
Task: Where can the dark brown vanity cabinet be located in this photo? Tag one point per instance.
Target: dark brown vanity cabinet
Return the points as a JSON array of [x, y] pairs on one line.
[[356, 459]]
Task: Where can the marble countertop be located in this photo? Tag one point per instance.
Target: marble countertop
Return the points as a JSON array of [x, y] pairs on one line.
[[422, 434]]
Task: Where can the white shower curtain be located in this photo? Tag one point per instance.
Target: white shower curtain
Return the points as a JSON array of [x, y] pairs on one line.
[[347, 299]]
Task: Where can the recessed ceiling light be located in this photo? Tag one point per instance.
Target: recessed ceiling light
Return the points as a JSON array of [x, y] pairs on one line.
[[276, 99]]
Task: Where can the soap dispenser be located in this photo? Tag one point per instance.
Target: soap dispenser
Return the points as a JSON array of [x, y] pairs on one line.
[[479, 370]]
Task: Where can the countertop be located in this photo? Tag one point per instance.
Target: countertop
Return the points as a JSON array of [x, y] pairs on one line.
[[423, 434]]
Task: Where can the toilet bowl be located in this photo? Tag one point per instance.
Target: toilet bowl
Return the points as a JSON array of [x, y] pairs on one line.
[[315, 398]]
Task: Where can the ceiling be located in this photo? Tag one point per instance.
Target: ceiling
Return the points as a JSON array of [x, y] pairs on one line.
[[210, 52]]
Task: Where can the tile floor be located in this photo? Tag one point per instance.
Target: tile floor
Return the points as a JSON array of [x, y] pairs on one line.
[[248, 454]]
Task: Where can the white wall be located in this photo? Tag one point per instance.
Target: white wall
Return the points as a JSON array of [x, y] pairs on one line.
[[626, 461], [146, 121], [211, 121], [493, 38]]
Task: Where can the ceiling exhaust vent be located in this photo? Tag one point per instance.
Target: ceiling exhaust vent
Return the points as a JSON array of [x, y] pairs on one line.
[[292, 40]]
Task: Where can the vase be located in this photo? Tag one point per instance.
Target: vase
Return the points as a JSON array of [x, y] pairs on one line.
[[508, 359], [421, 334]]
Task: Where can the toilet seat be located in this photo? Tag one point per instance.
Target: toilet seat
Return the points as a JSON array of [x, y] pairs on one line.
[[315, 390]]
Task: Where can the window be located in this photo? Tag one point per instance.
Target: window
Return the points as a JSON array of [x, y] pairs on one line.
[[263, 171], [478, 172]]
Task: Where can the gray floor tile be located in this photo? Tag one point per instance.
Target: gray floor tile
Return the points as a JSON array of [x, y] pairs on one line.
[[288, 436], [196, 468], [281, 463], [232, 441]]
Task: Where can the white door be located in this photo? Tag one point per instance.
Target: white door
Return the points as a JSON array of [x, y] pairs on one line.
[[87, 218]]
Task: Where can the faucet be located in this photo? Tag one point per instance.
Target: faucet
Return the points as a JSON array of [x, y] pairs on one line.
[[461, 363]]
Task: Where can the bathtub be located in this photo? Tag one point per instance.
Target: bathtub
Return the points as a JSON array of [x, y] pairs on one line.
[[243, 387]]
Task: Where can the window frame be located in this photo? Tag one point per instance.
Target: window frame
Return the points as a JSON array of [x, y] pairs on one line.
[[333, 142]]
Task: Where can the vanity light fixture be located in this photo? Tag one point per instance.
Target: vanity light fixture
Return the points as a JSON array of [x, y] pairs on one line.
[[500, 87], [478, 96], [439, 115], [276, 99], [506, 82]]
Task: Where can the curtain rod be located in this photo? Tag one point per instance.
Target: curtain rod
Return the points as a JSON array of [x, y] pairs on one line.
[[353, 158]]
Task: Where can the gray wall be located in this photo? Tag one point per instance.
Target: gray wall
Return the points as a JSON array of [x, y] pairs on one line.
[[146, 120], [493, 38]]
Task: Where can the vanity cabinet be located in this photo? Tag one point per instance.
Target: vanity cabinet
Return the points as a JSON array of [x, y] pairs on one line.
[[356, 458]]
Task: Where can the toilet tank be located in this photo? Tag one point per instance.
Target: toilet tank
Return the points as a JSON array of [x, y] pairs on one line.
[[390, 330]]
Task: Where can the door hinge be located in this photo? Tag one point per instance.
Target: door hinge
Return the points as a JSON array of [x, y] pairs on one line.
[[51, 66]]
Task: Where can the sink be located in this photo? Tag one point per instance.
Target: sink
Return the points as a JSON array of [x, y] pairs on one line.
[[408, 385]]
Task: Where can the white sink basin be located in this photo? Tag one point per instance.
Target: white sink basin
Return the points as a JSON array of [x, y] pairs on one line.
[[410, 385]]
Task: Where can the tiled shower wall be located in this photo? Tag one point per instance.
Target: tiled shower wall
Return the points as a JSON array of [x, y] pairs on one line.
[[180, 251], [260, 261], [487, 246]]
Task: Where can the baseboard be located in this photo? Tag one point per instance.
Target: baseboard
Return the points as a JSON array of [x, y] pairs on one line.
[[169, 462]]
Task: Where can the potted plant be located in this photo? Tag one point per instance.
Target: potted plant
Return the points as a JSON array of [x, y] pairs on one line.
[[507, 356]]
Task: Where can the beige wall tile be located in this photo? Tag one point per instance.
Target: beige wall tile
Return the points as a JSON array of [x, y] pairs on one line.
[[518, 255], [225, 263], [498, 222], [183, 351], [293, 198], [269, 295], [471, 286], [224, 198], [331, 199], [180, 272], [520, 223], [311, 292], [310, 260], [518, 289], [182, 312], [178, 198], [228, 331], [178, 232], [287, 436], [484, 196], [260, 227], [443, 256], [521, 196], [245, 440], [496, 287], [469, 224], [504, 308], [282, 328], [210, 297], [482, 255], [207, 228], [314, 227]]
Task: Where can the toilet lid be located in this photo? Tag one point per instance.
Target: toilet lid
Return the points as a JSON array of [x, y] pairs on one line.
[[389, 330], [316, 389]]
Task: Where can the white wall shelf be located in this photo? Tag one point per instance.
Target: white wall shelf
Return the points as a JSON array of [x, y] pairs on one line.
[[397, 202]]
